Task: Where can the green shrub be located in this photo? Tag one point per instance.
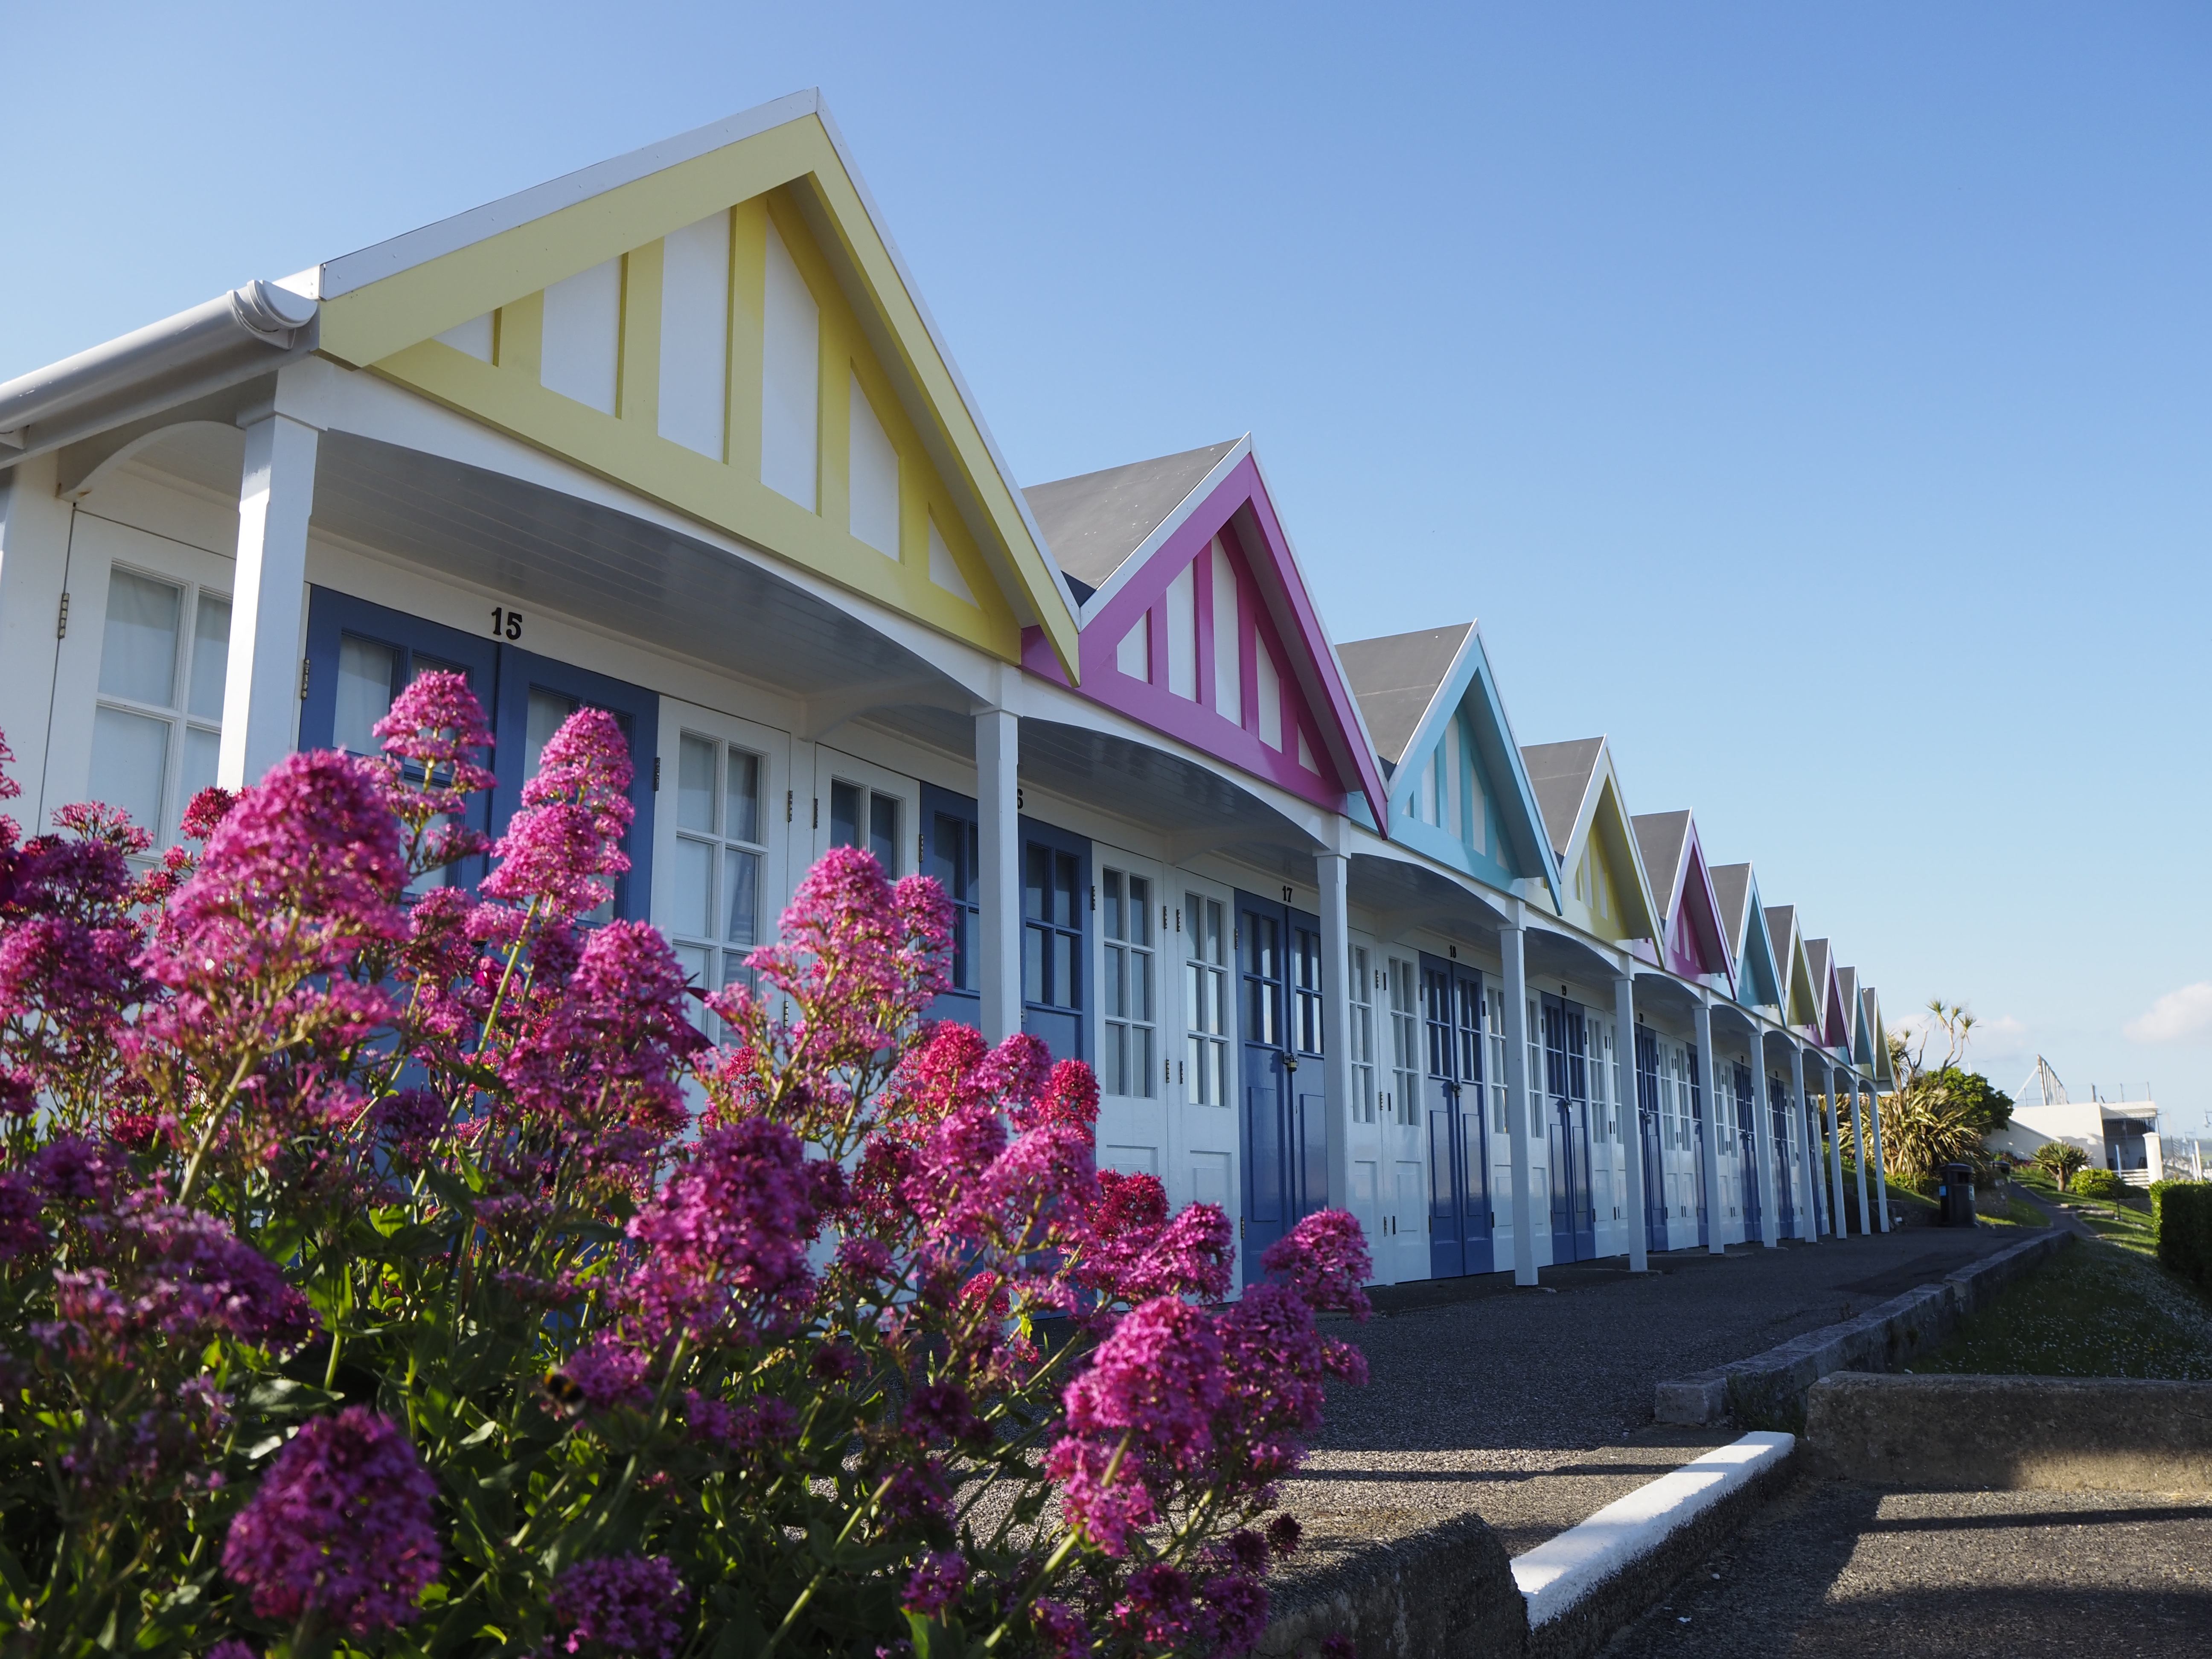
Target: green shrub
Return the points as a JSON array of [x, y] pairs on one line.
[[2183, 1212], [2098, 1184]]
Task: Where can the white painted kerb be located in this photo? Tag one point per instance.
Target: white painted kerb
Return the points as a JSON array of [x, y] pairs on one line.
[[1554, 1576]]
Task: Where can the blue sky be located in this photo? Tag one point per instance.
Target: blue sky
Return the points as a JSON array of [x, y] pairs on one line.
[[1817, 400]]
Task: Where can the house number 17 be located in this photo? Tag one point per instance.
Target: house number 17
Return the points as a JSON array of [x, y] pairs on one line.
[[506, 625]]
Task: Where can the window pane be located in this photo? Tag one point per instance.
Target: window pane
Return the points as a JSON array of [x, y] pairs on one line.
[[1032, 965], [130, 759], [695, 784], [844, 815], [138, 657], [1140, 910], [1039, 877], [201, 747], [741, 899], [548, 710], [697, 964], [1141, 1062], [694, 913], [1109, 887], [366, 672], [1063, 970], [210, 657], [1117, 983], [883, 831], [1140, 987], [742, 818], [1068, 902]]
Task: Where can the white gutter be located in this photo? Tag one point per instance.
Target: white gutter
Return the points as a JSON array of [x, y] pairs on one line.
[[260, 314]]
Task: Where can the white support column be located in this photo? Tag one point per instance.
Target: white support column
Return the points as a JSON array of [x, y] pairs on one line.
[[268, 609], [1837, 1225], [34, 538], [1881, 1177], [1850, 1080], [998, 858], [1762, 1136], [1630, 1095], [1702, 1019], [1808, 1160], [1510, 941], [1334, 871]]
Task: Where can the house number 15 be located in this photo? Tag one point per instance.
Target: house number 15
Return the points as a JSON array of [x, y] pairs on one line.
[[506, 625]]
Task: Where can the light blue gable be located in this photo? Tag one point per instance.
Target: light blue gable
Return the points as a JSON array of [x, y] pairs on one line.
[[1464, 744], [1757, 979]]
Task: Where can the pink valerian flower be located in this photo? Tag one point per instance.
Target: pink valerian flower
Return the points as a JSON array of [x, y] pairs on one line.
[[605, 1372], [1275, 1366], [431, 739], [575, 814], [610, 1050], [935, 1584], [232, 1649], [1324, 1258], [724, 1243], [886, 947], [76, 1170], [1069, 1097], [1135, 1252], [1232, 1614], [1060, 1633], [197, 1277], [629, 1605], [343, 1525], [940, 1413], [1156, 1606], [21, 1229], [1142, 1413], [747, 1429]]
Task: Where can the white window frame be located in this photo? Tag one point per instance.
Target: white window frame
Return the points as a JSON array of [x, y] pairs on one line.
[[1159, 1072], [834, 766], [777, 809], [1185, 886], [97, 546]]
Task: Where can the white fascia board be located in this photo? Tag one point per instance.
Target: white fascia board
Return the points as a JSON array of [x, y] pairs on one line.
[[433, 241], [1126, 572]]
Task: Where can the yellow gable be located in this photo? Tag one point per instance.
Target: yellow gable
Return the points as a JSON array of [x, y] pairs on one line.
[[693, 335]]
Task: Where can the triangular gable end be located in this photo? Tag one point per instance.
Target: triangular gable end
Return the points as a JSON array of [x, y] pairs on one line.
[[1833, 1027], [1860, 1040], [1605, 889], [1758, 980], [721, 323], [1801, 1004], [1207, 632], [1884, 1073], [1693, 943], [1460, 791]]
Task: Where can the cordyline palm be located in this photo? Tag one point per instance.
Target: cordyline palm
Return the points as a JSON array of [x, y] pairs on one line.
[[1922, 1127]]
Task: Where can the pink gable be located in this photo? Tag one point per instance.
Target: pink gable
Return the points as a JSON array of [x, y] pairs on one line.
[[1215, 641], [1696, 944]]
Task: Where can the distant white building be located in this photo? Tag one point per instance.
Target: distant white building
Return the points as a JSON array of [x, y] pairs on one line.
[[2120, 1136]]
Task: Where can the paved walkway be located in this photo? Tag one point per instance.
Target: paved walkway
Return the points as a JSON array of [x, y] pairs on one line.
[[1532, 1408], [1833, 1570]]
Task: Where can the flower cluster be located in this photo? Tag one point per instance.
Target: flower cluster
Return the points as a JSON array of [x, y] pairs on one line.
[[369, 1225]]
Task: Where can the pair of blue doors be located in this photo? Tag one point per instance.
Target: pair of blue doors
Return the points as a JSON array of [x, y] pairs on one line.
[[360, 656], [1460, 1218], [1284, 1134], [1785, 1185], [1057, 900], [1566, 1086], [1746, 1123]]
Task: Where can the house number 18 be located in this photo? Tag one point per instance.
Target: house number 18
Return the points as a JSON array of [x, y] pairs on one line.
[[506, 625]]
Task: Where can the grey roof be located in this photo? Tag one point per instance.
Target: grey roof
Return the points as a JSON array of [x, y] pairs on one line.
[[1560, 773], [1094, 522], [1663, 838], [1396, 677], [1732, 890]]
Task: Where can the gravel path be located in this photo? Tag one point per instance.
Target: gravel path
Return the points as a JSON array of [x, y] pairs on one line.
[[1834, 1570], [1532, 1408]]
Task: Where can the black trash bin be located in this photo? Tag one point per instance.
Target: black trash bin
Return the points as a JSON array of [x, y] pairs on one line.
[[1955, 1192]]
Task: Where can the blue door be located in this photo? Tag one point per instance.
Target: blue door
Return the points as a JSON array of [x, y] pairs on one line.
[[360, 656], [1284, 1127], [1785, 1185], [1459, 1146], [1698, 1146], [1747, 1119], [1566, 1089], [1647, 1118]]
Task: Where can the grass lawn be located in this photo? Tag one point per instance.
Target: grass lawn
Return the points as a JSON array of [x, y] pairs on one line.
[[2101, 1308]]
